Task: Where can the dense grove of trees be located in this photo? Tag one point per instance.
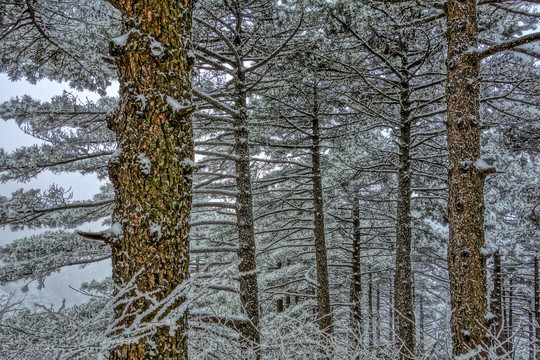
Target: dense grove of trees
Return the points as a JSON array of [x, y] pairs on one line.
[[286, 180]]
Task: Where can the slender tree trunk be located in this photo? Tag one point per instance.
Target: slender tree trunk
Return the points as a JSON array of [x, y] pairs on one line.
[[496, 303], [151, 175], [370, 309], [510, 294], [421, 324], [536, 309], [323, 288], [391, 332], [356, 281], [403, 281], [279, 302], [245, 224], [531, 332], [466, 175], [249, 289], [378, 307], [504, 332]]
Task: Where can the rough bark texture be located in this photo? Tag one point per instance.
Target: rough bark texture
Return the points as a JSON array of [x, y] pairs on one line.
[[496, 302], [467, 264], [151, 174], [323, 289], [356, 281], [403, 281]]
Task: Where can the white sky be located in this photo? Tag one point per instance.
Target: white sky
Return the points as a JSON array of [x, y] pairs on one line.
[[11, 137]]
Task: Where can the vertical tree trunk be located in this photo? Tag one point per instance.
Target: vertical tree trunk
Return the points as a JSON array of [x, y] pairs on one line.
[[403, 281], [496, 303], [151, 175], [510, 322], [249, 289], [531, 332], [356, 281], [391, 332], [378, 312], [370, 309], [466, 175], [421, 324], [323, 289], [279, 302], [536, 309]]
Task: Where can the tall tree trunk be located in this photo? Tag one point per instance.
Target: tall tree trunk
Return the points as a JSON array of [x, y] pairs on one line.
[[403, 281], [391, 332], [370, 309], [496, 303], [249, 289], [151, 175], [421, 339], [323, 288], [378, 312], [466, 175], [510, 322], [531, 333], [356, 281], [536, 309], [279, 302]]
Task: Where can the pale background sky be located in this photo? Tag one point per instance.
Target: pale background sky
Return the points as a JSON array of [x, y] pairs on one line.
[[83, 187]]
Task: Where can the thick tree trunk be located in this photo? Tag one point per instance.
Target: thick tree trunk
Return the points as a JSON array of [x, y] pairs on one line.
[[323, 288], [249, 289], [466, 175], [403, 281], [496, 303], [356, 281], [151, 174]]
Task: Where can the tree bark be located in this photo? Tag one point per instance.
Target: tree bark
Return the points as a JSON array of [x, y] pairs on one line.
[[421, 339], [370, 309], [466, 175], [510, 322], [356, 281], [323, 288], [531, 333], [391, 332], [496, 303], [249, 289], [403, 281], [536, 309], [152, 177], [378, 312]]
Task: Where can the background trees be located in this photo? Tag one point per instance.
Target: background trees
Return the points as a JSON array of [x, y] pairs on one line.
[[319, 225]]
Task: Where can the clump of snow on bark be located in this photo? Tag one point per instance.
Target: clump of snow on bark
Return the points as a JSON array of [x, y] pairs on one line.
[[144, 163], [156, 48], [155, 229]]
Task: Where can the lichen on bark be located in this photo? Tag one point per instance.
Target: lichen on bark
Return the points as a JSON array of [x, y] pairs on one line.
[[152, 201]]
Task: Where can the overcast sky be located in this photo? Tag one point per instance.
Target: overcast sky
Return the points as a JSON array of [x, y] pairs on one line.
[[11, 137]]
